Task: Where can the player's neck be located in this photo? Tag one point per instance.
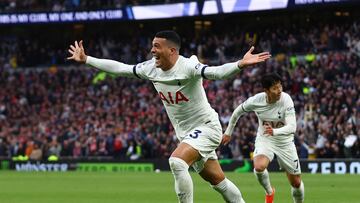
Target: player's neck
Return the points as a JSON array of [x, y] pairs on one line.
[[270, 100], [171, 63]]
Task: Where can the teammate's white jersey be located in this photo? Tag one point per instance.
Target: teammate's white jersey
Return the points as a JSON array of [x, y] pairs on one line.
[[179, 88], [280, 115]]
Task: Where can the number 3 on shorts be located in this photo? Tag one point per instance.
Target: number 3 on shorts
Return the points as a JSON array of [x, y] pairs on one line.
[[196, 134]]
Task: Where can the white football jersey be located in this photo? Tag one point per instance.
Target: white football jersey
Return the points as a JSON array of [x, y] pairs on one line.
[[280, 115], [179, 88]]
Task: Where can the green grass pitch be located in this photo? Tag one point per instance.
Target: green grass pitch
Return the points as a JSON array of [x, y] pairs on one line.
[[131, 187]]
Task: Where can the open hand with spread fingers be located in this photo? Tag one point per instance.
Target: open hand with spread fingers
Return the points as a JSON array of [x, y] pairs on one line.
[[251, 59], [77, 52]]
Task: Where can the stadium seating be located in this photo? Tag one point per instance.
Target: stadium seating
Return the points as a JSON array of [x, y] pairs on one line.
[[48, 103]]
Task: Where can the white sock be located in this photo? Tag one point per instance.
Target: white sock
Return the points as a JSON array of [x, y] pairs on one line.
[[264, 180], [183, 181], [298, 194], [229, 191]]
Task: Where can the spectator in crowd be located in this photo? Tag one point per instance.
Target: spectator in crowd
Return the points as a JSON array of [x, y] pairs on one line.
[[56, 107]]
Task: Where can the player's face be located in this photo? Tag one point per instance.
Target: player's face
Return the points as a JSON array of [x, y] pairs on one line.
[[274, 92], [161, 52]]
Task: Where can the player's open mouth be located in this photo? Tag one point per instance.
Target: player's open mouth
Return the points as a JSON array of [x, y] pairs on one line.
[[157, 59]]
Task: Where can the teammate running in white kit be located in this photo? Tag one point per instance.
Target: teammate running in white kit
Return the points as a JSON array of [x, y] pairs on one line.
[[275, 135]]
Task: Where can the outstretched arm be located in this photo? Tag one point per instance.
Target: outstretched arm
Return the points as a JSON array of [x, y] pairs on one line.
[[230, 69], [78, 54]]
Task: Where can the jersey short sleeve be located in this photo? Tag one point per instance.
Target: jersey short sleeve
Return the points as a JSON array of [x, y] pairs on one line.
[[249, 104], [142, 70], [196, 68]]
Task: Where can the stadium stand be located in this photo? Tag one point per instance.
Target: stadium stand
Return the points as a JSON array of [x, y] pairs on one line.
[[50, 107]]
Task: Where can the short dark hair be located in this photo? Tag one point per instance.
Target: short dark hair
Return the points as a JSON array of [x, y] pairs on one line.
[[170, 35], [270, 79]]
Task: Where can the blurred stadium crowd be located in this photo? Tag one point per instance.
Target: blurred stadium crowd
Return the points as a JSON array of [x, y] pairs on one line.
[[73, 112]]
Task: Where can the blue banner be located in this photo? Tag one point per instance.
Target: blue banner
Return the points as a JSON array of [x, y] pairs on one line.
[[56, 17]]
